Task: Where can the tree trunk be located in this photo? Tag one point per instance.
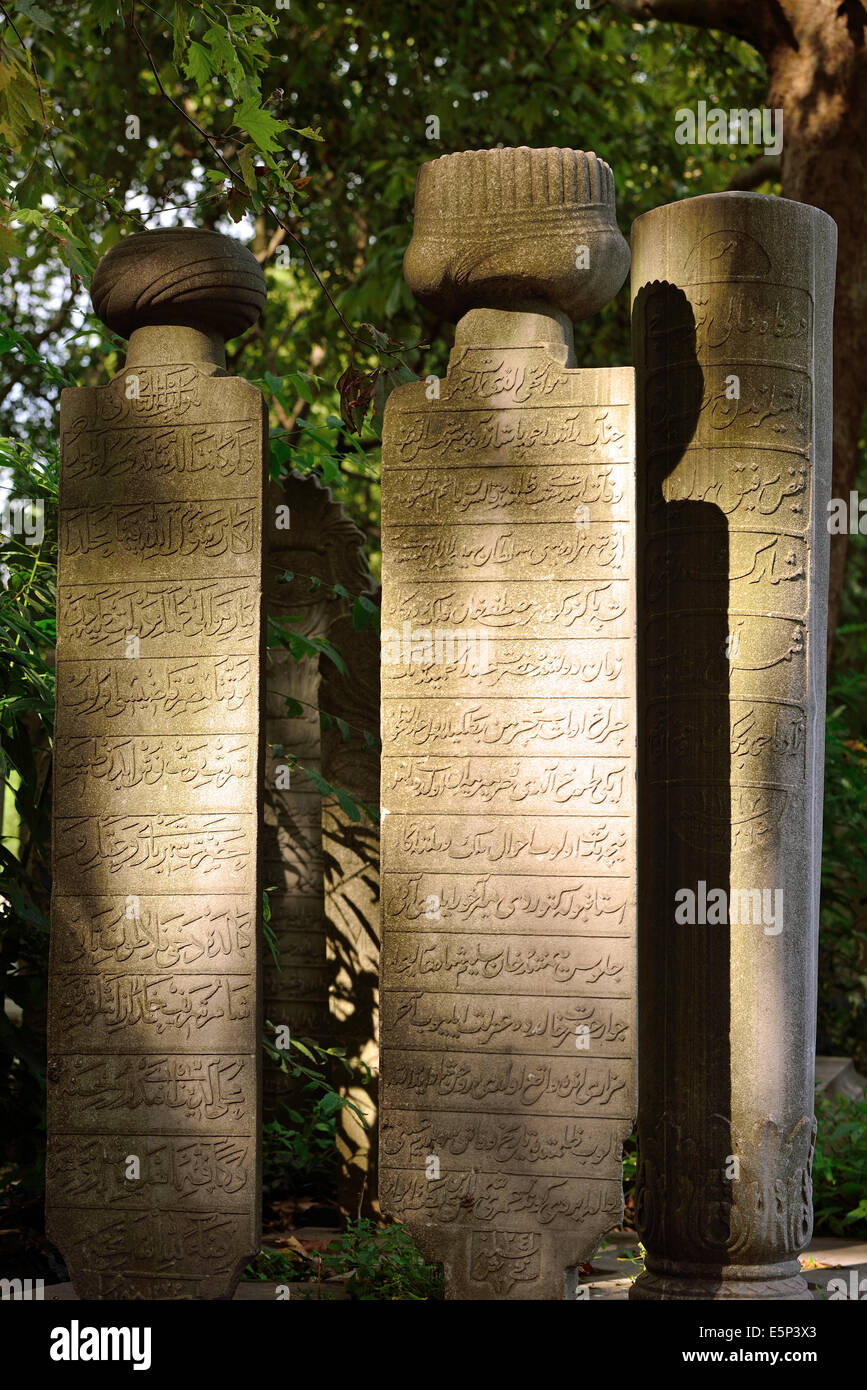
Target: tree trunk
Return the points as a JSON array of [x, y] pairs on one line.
[[816, 54]]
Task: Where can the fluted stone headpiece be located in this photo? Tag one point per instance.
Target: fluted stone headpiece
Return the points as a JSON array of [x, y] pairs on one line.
[[179, 276], [494, 227]]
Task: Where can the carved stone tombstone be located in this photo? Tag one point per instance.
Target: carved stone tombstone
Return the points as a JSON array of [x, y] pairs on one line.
[[154, 1031], [733, 297], [322, 867], [508, 722], [296, 990], [351, 851]]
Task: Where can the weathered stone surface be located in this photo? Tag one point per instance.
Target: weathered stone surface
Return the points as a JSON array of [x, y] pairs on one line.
[[296, 990], [508, 717], [153, 1171], [168, 277], [351, 851], [323, 868], [732, 300], [495, 225]]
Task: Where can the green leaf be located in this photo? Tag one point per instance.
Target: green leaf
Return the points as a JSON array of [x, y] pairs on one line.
[[250, 17], [199, 67], [9, 245], [347, 804], [364, 613], [35, 14], [319, 781], [106, 13], [224, 55], [301, 384], [19, 102], [260, 125], [330, 470], [392, 303]]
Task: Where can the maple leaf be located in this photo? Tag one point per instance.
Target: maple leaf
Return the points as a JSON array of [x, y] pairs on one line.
[[261, 127]]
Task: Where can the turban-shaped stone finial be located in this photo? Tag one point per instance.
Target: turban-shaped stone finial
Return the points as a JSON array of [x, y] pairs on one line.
[[181, 276], [494, 228]]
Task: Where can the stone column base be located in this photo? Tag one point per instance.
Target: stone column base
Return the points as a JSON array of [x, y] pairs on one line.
[[747, 1283]]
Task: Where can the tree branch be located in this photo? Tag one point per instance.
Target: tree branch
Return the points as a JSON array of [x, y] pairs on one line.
[[570, 24], [763, 168], [277, 239], [56, 322], [276, 346], [746, 19]]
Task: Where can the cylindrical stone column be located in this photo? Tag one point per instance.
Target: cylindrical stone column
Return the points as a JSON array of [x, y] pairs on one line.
[[732, 304], [508, 730], [153, 1171]]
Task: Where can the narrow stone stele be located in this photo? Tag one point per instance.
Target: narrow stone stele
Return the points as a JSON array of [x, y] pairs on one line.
[[153, 1179], [508, 726], [296, 984], [349, 700], [321, 867]]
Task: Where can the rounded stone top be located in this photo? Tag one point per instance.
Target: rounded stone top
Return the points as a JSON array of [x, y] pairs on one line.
[[179, 275], [493, 227]]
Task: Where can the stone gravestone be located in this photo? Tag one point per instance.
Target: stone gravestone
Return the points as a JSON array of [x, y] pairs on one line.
[[733, 298], [508, 721], [323, 868], [153, 1073], [296, 990], [351, 762]]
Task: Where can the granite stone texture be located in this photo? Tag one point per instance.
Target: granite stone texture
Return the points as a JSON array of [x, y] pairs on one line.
[[153, 1172]]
